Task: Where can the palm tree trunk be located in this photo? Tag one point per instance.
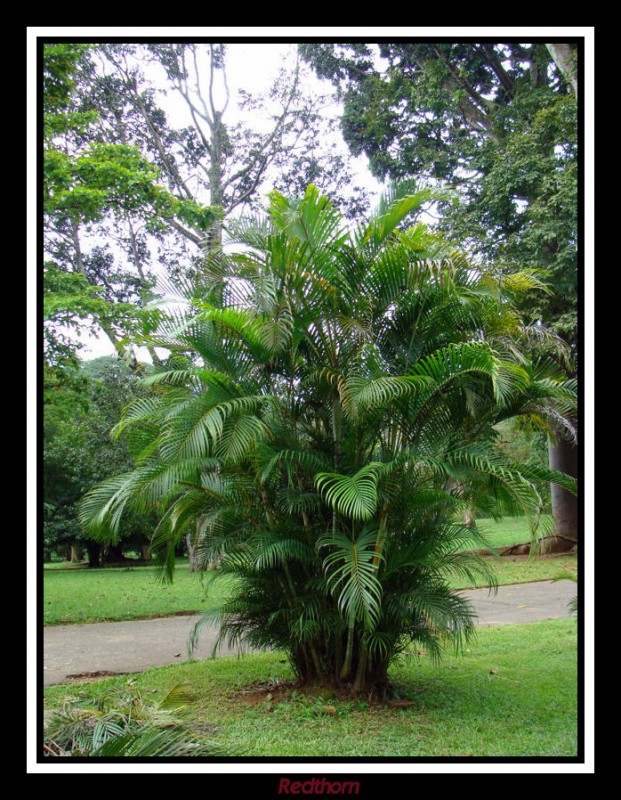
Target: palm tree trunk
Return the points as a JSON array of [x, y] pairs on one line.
[[338, 653], [359, 681], [349, 651]]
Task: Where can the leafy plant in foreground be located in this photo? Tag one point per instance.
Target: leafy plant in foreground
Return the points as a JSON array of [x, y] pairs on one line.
[[123, 724]]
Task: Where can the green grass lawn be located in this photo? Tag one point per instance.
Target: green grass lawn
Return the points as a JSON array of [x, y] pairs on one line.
[[511, 693], [98, 595], [83, 595], [522, 569], [510, 530]]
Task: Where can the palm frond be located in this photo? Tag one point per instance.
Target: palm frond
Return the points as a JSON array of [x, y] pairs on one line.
[[354, 496], [352, 568]]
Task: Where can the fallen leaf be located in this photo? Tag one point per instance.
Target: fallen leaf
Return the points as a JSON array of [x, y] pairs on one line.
[[177, 655], [493, 671], [400, 703]]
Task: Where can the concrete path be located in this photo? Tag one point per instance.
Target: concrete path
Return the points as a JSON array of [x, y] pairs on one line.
[[109, 647]]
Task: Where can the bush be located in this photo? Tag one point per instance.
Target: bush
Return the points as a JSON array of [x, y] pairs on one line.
[[327, 420]]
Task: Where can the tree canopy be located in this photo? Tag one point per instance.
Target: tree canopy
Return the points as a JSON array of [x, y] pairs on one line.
[[129, 191], [496, 123]]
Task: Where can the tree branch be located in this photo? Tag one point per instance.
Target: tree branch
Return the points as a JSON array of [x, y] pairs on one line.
[[258, 156], [197, 88], [169, 165], [563, 53], [211, 71], [227, 92], [184, 231], [245, 195], [481, 103], [501, 74]]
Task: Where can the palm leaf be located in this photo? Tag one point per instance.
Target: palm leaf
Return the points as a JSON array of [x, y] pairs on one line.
[[352, 569], [180, 696], [355, 496], [398, 202]]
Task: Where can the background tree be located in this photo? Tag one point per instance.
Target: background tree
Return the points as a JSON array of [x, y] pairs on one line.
[[93, 180], [78, 454], [125, 189], [217, 158], [340, 417], [498, 124]]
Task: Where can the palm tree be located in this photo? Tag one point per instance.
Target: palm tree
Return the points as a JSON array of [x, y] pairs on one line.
[[326, 419]]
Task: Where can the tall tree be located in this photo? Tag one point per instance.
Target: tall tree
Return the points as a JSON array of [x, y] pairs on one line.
[[91, 180], [497, 123], [216, 158]]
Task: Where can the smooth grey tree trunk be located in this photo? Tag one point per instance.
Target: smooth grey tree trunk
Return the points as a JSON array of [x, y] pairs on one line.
[[77, 553], [192, 554], [563, 55], [563, 456]]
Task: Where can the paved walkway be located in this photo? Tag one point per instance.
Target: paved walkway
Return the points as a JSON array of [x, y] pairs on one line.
[[108, 647]]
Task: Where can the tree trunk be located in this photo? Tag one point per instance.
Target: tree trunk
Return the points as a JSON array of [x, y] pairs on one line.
[[192, 554], [77, 553], [146, 552], [113, 554], [143, 279], [563, 55], [94, 554], [563, 457]]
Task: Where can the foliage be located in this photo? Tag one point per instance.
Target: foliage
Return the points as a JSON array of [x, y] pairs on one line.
[[77, 450], [496, 122], [92, 179], [279, 140], [332, 421], [125, 187], [124, 725]]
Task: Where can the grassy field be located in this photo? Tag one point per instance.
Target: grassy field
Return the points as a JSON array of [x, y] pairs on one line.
[[510, 530], [98, 595], [511, 693], [83, 595]]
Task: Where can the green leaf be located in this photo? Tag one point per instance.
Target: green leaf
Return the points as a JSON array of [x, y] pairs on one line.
[[354, 496], [352, 569]]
